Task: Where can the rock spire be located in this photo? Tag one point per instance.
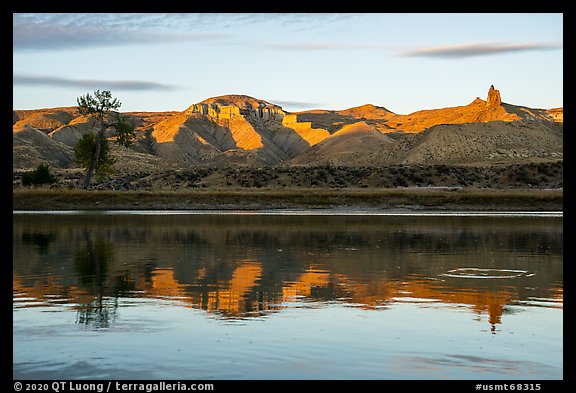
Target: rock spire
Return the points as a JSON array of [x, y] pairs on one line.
[[493, 97]]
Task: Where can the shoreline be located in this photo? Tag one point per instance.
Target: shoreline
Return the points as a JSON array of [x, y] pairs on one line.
[[411, 199]]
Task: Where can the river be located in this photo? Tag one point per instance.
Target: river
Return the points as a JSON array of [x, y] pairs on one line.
[[287, 295]]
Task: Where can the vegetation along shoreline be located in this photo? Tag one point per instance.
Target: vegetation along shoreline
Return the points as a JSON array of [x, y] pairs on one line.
[[264, 198]]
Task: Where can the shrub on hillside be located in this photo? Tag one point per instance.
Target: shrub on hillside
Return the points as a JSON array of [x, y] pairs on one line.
[[41, 175]]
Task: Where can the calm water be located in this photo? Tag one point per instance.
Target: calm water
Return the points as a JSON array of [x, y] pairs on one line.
[[233, 296]]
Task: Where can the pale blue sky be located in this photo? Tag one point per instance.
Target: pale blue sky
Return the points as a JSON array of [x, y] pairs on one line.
[[404, 62]]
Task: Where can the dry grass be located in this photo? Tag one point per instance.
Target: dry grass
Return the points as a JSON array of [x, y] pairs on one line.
[[63, 199]]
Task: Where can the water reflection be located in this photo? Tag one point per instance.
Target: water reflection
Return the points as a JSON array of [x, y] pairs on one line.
[[91, 265], [252, 266]]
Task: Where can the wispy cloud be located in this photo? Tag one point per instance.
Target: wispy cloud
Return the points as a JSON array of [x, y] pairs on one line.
[[74, 31], [478, 49], [123, 85], [78, 30]]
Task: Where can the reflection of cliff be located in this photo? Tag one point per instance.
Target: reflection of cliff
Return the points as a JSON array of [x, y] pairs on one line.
[[245, 267], [238, 298], [231, 297], [163, 284], [302, 287]]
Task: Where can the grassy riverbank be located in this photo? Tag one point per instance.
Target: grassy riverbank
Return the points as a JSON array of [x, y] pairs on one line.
[[264, 198]]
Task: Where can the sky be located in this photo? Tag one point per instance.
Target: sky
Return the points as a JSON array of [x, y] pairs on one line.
[[403, 62]]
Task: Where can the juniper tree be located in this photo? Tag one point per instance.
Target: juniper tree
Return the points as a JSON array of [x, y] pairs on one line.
[[101, 107], [85, 150]]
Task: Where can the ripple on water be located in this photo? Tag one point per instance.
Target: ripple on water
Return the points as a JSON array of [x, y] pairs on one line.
[[480, 273]]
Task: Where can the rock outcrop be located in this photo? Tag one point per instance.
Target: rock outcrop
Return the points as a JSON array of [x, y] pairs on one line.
[[494, 98], [234, 106]]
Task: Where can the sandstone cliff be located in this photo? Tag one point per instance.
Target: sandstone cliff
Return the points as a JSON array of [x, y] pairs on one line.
[[232, 124], [235, 106]]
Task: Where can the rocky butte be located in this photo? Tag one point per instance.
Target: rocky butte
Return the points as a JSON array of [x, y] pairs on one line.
[[234, 106]]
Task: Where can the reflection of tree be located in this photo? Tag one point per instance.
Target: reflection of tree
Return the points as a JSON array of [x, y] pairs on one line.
[[91, 266], [98, 313], [40, 240]]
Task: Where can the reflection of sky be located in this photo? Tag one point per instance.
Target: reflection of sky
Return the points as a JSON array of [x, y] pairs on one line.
[[160, 339]]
